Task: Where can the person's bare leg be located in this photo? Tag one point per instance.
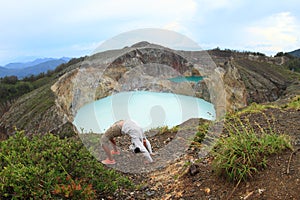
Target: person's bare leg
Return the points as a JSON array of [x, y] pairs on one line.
[[114, 145], [107, 151]]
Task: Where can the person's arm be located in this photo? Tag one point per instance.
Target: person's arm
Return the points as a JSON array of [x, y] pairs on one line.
[[146, 153], [147, 145], [139, 143]]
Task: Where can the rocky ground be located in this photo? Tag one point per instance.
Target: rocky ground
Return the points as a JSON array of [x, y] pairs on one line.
[[183, 180]]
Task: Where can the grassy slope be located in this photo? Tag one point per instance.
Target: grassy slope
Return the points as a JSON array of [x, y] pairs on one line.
[[278, 74], [35, 112]]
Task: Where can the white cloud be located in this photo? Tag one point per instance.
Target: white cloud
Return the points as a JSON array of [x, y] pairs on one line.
[[209, 5], [50, 16], [162, 37], [175, 26], [24, 23], [89, 47], [95, 10], [31, 26], [278, 32], [130, 15]]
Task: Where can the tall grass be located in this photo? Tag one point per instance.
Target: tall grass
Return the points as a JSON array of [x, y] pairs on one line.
[[255, 108], [294, 103], [246, 149]]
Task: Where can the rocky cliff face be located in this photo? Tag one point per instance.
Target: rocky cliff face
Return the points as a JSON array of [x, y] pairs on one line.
[[256, 78], [230, 82], [262, 82], [141, 67]]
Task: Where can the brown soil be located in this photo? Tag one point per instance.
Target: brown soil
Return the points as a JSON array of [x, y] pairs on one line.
[[281, 179]]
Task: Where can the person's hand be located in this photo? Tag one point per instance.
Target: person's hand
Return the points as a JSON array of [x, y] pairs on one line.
[[147, 162]]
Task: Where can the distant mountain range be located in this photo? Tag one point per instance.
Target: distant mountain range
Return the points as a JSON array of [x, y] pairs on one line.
[[35, 67], [295, 53]]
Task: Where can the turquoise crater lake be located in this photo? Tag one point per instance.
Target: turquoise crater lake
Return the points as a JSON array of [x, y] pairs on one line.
[[149, 109], [180, 79]]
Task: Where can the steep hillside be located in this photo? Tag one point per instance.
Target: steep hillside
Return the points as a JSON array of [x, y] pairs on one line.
[[295, 53], [238, 78], [36, 111], [265, 78], [192, 178]]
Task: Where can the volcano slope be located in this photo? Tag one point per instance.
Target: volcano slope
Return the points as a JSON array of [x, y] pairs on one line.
[[247, 78]]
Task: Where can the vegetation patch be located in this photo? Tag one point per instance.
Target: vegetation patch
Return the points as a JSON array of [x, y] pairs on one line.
[[255, 108], [245, 150], [11, 88], [166, 129], [293, 64], [47, 167], [294, 103], [202, 131]]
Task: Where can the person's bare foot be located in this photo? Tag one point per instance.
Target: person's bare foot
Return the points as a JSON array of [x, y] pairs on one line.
[[108, 162], [115, 152]]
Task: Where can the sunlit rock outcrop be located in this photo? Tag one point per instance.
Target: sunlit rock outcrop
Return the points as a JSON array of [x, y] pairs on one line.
[[138, 67], [231, 80]]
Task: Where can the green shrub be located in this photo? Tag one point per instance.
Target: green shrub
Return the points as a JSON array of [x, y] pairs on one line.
[[166, 129], [47, 167], [293, 64], [245, 150], [294, 103], [201, 132], [255, 108]]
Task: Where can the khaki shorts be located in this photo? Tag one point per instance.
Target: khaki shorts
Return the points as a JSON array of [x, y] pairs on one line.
[[112, 132]]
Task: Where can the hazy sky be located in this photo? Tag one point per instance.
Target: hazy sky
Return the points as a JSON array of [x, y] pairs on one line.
[[73, 28]]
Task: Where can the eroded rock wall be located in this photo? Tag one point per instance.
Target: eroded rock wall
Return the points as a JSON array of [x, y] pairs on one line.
[[230, 82]]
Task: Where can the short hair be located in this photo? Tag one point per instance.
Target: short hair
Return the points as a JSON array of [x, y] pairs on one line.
[[137, 150]]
